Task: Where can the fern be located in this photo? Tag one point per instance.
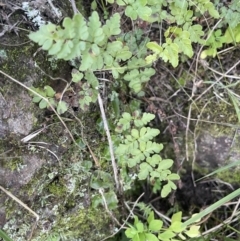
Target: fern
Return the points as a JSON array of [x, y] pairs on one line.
[[138, 150]]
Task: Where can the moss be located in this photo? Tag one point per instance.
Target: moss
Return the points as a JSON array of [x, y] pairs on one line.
[[85, 224], [218, 117], [57, 189], [13, 164], [230, 176]]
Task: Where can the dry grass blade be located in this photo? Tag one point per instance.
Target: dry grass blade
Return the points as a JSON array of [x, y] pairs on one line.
[[37, 94], [23, 205], [114, 166]]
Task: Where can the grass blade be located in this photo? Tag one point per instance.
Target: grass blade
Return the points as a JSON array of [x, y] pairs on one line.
[[212, 208]]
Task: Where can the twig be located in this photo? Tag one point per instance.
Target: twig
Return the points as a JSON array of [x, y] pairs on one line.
[[54, 9], [109, 141], [74, 7], [23, 205], [130, 214], [194, 79], [164, 217], [35, 93], [106, 207], [222, 76]]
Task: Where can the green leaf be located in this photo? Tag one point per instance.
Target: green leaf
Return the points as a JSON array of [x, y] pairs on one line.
[[148, 133], [151, 237], [142, 146], [152, 147], [114, 47], [176, 227], [65, 50], [147, 117], [151, 58], [126, 116], [56, 47], [96, 33], [49, 91], [150, 217], [232, 35], [165, 164], [155, 47], [100, 179], [176, 217], [164, 174], [112, 26], [44, 33], [155, 225], [196, 33], [124, 122], [131, 232], [111, 199], [155, 174], [184, 43], [43, 104], [144, 171], [139, 227], [62, 107], [132, 162], [173, 176], [76, 76], [135, 133], [47, 44], [213, 12], [154, 160], [87, 61], [121, 2], [170, 52], [193, 231], [94, 5], [172, 184], [68, 26], [136, 78], [80, 26], [144, 12], [124, 54], [36, 99], [167, 235], [131, 12], [165, 190]]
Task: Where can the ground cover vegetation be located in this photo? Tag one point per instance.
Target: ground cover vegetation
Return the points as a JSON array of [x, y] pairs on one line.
[[105, 54]]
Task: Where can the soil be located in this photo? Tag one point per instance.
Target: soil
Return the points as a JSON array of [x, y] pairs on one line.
[[47, 172]]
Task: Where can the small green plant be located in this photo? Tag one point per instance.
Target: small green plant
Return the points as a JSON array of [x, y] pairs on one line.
[[153, 230], [105, 48], [98, 48], [137, 150], [46, 99], [103, 181]]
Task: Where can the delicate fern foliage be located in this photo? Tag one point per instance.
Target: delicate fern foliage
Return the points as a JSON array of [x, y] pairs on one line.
[[47, 93], [154, 230], [137, 78], [215, 41], [231, 13], [179, 39], [170, 50], [138, 150], [97, 49], [86, 40], [46, 99]]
